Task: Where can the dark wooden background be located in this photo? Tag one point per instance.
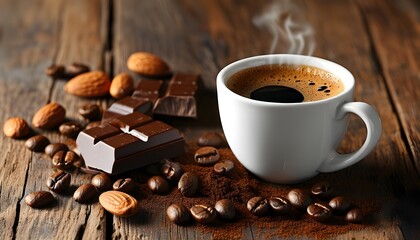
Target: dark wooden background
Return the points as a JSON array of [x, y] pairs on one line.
[[377, 40]]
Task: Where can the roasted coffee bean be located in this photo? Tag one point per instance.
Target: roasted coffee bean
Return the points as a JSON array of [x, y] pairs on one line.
[[223, 167], [172, 170], [355, 215], [213, 139], [76, 69], [59, 181], [299, 198], [70, 129], [93, 124], [53, 148], [102, 182], [319, 211], [158, 185], [225, 209], [340, 204], [178, 214], [124, 185], [64, 159], [204, 213], [56, 71], [39, 199], [37, 143], [84, 193], [280, 205], [188, 184], [90, 112], [206, 155], [258, 206], [322, 190]]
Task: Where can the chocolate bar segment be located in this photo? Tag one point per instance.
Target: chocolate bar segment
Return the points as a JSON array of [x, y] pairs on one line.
[[148, 89], [128, 122], [130, 104]]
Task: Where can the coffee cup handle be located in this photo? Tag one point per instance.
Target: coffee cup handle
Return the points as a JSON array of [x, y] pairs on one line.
[[373, 124]]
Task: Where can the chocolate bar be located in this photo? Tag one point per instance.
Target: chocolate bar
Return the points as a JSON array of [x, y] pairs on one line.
[[128, 142], [179, 99], [126, 106]]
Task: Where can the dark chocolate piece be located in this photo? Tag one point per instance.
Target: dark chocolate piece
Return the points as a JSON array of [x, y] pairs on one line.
[[148, 89], [128, 122], [107, 116], [131, 104]]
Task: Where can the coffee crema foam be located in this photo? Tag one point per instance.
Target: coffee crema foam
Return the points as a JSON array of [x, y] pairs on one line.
[[314, 83]]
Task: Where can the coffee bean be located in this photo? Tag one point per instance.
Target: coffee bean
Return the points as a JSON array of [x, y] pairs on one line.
[[206, 155], [354, 216], [53, 148], [124, 185], [299, 198], [172, 170], [70, 129], [93, 124], [39, 199], [213, 139], [158, 185], [84, 193], [340, 204], [225, 209], [59, 181], [64, 159], [258, 206], [204, 213], [178, 213], [322, 190], [102, 182], [90, 112], [223, 167], [76, 69], [56, 71], [37, 143], [280, 205], [319, 211], [188, 184]]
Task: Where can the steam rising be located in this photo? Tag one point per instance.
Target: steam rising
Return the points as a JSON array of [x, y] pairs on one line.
[[285, 22]]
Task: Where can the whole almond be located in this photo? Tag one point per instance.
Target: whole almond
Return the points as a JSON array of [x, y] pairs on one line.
[[122, 85], [16, 127], [49, 116], [147, 64], [119, 203], [90, 84]]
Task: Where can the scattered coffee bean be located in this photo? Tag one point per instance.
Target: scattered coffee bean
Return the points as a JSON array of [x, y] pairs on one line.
[[188, 184], [124, 185], [37, 143], [53, 148], [322, 190], [158, 185], [70, 129], [354, 215], [59, 181], [172, 170], [76, 69], [299, 198], [340, 204], [280, 205], [178, 213], [64, 159], [258, 206], [213, 139], [206, 155], [90, 112], [84, 193], [319, 211], [223, 167], [93, 124], [102, 182], [56, 71], [204, 213], [39, 199], [225, 208]]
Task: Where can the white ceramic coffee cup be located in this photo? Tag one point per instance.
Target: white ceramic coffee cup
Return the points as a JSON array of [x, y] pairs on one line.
[[291, 142]]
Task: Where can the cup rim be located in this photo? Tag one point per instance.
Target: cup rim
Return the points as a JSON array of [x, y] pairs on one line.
[[343, 73]]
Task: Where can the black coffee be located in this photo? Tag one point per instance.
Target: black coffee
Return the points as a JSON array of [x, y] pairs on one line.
[[285, 83]]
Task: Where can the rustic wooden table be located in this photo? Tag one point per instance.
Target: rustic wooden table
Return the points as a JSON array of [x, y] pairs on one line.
[[378, 41]]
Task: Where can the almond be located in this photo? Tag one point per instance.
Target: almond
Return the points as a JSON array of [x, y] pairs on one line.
[[90, 84], [49, 116], [119, 203], [122, 85], [147, 64], [16, 128]]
